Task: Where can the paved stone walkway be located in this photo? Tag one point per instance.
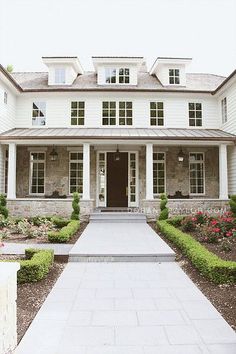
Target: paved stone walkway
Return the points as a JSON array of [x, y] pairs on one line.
[[127, 308], [19, 248]]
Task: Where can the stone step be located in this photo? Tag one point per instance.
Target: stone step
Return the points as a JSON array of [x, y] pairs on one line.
[[117, 217], [122, 258]]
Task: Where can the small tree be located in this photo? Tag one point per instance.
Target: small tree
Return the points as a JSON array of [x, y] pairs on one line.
[[232, 204], [164, 214], [9, 68], [76, 207], [3, 203]]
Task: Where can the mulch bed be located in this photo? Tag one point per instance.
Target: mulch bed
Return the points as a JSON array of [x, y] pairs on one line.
[[223, 297]]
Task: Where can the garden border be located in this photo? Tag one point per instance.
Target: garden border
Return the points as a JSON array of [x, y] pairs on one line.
[[65, 233]]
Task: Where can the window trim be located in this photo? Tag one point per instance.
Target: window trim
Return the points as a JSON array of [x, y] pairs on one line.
[[117, 76], [80, 151], [117, 117], [45, 114], [224, 110], [202, 111], [77, 109], [174, 76], [57, 75], [204, 174], [30, 171], [5, 97], [156, 195], [157, 125]]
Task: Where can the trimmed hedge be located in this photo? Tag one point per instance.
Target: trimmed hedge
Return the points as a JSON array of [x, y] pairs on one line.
[[164, 214], [59, 222], [216, 269], [65, 233], [36, 265]]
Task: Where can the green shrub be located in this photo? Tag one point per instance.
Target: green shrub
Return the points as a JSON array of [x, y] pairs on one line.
[[65, 233], [60, 222], [210, 265], [164, 214], [35, 266], [232, 204], [76, 207], [176, 220], [3, 203]]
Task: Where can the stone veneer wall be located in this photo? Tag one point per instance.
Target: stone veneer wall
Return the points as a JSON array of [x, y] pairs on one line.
[[8, 295]]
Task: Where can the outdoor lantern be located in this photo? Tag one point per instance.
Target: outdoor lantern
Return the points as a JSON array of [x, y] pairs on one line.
[[117, 155], [181, 156], [53, 154]]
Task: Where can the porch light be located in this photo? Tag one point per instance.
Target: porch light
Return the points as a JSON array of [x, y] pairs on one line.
[[117, 155], [53, 154], [181, 156]]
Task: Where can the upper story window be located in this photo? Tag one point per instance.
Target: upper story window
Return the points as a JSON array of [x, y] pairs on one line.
[[109, 113], [5, 97], [124, 76], [157, 113], [195, 114], [125, 113], [60, 76], [111, 110], [77, 113], [174, 77], [110, 75], [224, 110], [39, 113]]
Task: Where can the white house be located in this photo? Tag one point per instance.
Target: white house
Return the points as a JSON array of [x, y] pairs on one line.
[[120, 136]]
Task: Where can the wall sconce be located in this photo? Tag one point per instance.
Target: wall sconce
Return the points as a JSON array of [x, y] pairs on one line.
[[53, 154], [117, 155], [181, 156]]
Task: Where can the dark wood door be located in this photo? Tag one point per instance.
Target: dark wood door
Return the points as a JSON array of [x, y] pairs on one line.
[[117, 180]]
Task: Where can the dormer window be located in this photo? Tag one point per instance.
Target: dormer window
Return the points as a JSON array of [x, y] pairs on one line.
[[174, 77], [60, 76], [117, 76], [123, 76], [110, 76]]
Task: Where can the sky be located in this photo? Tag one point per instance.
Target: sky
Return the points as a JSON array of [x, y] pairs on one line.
[[202, 29]]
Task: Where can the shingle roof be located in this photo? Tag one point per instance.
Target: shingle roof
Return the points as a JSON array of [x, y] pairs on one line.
[[146, 82], [118, 133]]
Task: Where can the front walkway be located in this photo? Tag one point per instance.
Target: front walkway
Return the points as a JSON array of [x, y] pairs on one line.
[[126, 308]]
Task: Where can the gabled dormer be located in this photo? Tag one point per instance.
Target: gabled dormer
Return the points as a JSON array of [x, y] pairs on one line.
[[170, 71], [62, 70], [117, 70]]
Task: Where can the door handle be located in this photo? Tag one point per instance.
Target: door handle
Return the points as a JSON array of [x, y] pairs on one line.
[[126, 191]]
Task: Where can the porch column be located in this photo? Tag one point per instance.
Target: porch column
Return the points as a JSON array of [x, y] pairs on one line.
[[1, 169], [149, 171], [86, 171], [11, 181], [223, 172]]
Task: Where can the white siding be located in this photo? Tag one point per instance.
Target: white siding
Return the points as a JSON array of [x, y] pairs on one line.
[[7, 111], [175, 108]]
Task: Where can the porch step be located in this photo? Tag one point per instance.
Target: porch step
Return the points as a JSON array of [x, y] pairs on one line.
[[99, 258], [117, 217]]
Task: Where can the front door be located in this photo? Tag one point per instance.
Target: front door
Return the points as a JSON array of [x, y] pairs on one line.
[[117, 180]]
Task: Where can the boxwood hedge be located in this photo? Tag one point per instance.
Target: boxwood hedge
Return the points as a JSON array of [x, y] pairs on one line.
[[216, 269], [65, 233]]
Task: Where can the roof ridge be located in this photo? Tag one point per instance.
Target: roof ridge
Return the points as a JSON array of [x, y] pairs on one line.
[[207, 74]]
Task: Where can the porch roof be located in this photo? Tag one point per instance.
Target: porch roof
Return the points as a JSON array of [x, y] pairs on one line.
[[118, 133]]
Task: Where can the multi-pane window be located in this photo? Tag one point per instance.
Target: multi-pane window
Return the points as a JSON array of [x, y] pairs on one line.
[[224, 110], [157, 113], [37, 172], [174, 77], [158, 172], [77, 113], [125, 113], [133, 177], [102, 178], [60, 76], [5, 97], [39, 113], [110, 75], [123, 76], [109, 113], [6, 172], [76, 172], [195, 114], [196, 173]]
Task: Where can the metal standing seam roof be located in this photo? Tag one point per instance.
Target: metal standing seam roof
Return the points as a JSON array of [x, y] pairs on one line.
[[118, 133]]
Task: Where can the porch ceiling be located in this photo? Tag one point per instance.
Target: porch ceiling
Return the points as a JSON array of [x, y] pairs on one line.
[[118, 133]]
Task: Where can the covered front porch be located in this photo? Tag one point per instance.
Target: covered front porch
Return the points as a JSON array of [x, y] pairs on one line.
[[40, 176]]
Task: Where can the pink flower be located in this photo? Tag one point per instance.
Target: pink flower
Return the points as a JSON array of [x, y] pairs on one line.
[[229, 233], [216, 229], [214, 222], [194, 219]]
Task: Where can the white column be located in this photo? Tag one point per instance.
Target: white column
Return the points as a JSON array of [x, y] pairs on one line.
[[223, 172], [1, 169], [11, 188], [149, 171], [86, 171]]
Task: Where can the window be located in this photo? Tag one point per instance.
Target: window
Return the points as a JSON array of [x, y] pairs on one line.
[[195, 114], [174, 77], [5, 97], [39, 113], [125, 113], [124, 76], [77, 113], [110, 75], [224, 110], [101, 178], [6, 172], [37, 172], [109, 113], [76, 172], [197, 173], [60, 76], [157, 113], [132, 177], [158, 172]]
